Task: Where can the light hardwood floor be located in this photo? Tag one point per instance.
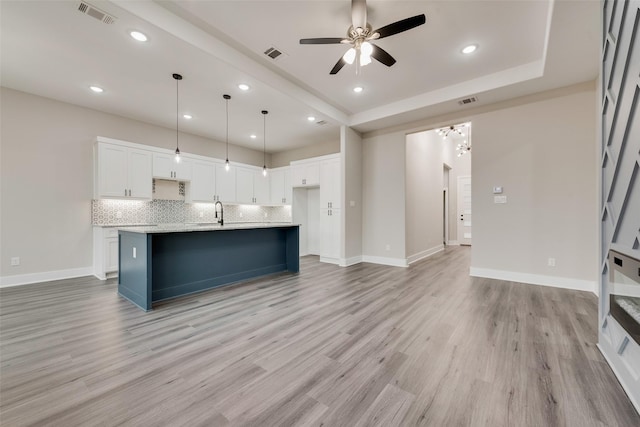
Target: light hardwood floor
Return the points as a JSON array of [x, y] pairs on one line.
[[367, 345]]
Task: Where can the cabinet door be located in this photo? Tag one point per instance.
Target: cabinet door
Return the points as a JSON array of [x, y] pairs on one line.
[[203, 182], [288, 191], [140, 174], [163, 166], [277, 186], [112, 171], [183, 170], [225, 184], [111, 254], [330, 233], [298, 175], [244, 185], [313, 173], [261, 188], [330, 185]]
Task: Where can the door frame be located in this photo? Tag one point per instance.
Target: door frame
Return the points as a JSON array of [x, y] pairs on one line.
[[460, 211]]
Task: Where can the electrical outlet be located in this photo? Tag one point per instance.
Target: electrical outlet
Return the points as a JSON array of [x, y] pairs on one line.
[[134, 252], [266, 214], [240, 214], [387, 248], [119, 214], [15, 261], [551, 262], [201, 214]]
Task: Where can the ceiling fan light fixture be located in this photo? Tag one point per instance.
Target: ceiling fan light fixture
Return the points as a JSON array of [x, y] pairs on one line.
[[350, 56]]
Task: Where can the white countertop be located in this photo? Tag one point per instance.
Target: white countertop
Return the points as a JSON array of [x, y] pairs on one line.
[[182, 228]]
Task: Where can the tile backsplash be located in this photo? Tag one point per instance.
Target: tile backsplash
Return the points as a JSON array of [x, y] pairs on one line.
[[130, 212]]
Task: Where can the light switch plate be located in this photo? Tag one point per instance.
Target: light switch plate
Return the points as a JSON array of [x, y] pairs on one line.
[[497, 190]]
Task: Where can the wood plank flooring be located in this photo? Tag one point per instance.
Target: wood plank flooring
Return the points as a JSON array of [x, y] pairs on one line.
[[367, 345]]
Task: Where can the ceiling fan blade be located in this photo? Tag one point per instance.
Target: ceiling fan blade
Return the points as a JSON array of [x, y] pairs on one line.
[[382, 55], [359, 13], [322, 40], [400, 26], [341, 63]]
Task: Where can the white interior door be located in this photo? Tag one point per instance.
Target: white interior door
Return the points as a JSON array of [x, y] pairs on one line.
[[464, 210]]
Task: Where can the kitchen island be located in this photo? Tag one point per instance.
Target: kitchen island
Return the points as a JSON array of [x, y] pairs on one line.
[[167, 261]]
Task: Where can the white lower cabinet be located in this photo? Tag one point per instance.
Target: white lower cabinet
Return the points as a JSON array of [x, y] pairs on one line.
[[105, 252], [330, 235]]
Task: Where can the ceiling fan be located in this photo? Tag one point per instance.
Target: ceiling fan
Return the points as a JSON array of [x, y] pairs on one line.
[[360, 34]]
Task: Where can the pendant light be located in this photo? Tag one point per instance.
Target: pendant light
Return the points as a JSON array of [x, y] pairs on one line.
[[226, 164], [264, 146], [178, 77]]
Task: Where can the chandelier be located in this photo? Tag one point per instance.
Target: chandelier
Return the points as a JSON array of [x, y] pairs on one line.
[[451, 130], [463, 148]]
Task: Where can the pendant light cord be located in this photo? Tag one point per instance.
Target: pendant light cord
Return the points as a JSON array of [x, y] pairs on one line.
[[227, 100], [177, 113]]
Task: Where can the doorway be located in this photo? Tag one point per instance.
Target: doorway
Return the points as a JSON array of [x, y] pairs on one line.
[[464, 210]]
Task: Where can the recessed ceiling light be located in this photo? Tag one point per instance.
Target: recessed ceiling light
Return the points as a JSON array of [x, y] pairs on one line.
[[243, 86], [187, 116], [358, 89], [470, 49], [138, 36], [96, 89], [311, 118], [253, 136]]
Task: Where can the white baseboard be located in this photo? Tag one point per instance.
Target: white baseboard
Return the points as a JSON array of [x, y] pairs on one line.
[[536, 279], [424, 254], [604, 350], [346, 262], [453, 243], [46, 276], [394, 262], [335, 261]]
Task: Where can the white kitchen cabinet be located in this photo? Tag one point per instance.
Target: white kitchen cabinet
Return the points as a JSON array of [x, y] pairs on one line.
[[280, 186], [305, 174], [252, 187], [225, 184], [330, 235], [123, 172], [105, 252], [166, 167], [202, 187], [330, 184]]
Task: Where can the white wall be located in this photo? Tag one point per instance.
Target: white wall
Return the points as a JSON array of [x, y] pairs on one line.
[[351, 151], [383, 198], [47, 177], [423, 213], [540, 149]]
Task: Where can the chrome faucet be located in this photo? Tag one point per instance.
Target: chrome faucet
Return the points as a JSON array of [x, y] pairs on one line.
[[221, 220]]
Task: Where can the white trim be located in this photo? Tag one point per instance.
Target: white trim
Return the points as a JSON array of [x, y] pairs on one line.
[[453, 243], [347, 262], [45, 276], [616, 372], [394, 262], [424, 254], [536, 279], [335, 261]]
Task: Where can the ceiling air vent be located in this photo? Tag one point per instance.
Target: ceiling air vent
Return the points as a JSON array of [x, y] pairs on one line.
[[468, 100], [321, 122], [273, 53], [96, 13]]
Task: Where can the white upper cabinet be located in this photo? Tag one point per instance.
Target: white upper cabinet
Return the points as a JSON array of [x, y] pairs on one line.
[[202, 187], [330, 184], [166, 167], [305, 174], [225, 184], [261, 188], [280, 183], [252, 187], [123, 172]]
